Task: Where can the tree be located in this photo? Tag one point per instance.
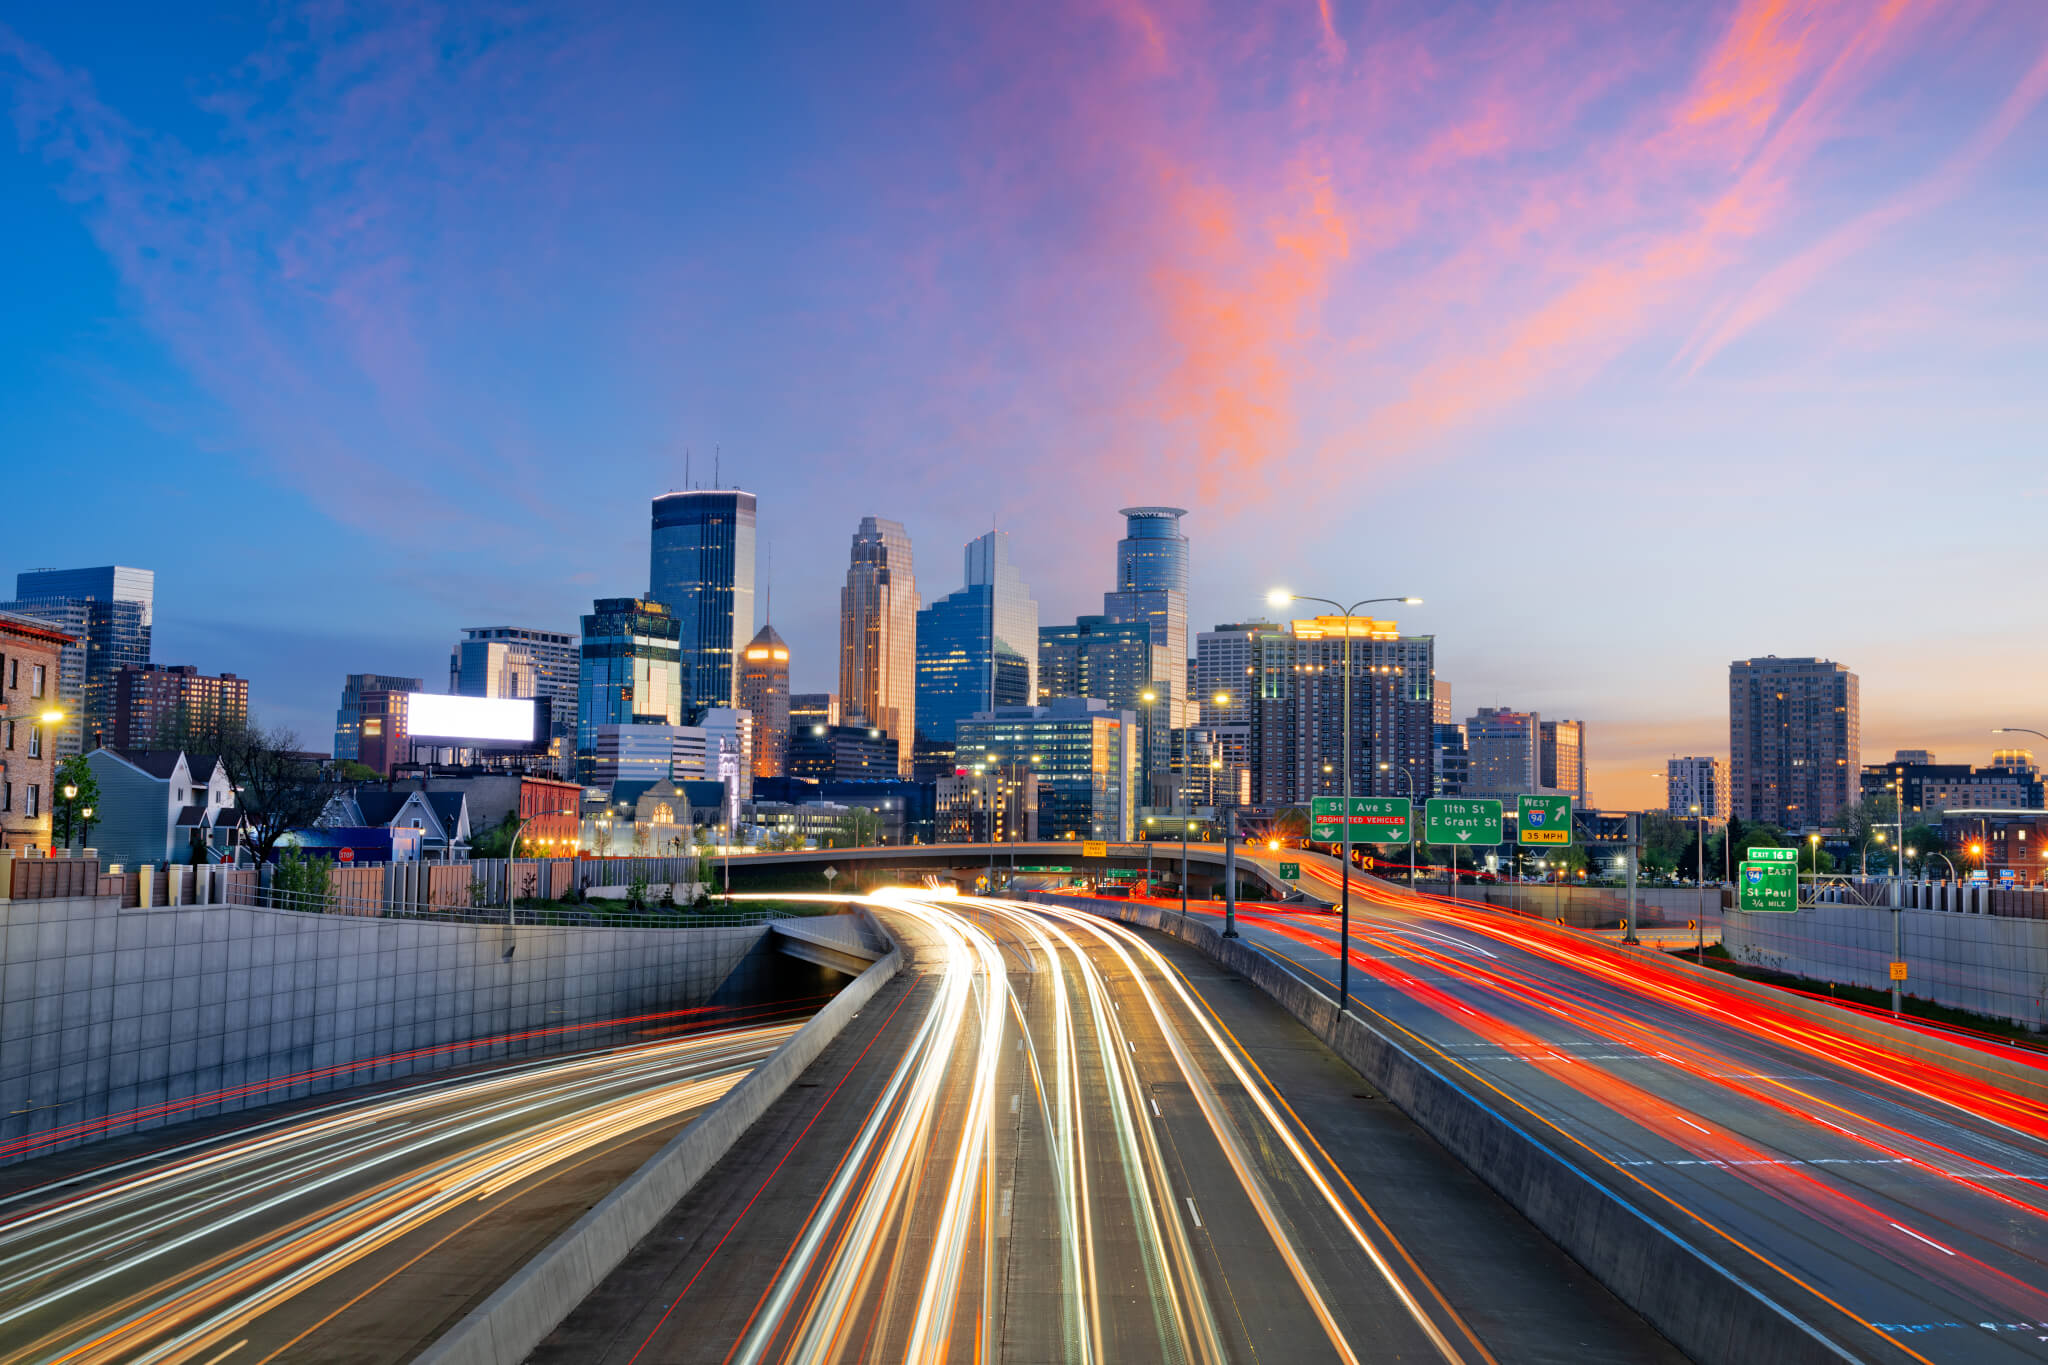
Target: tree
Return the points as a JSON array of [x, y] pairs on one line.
[[858, 828], [75, 773], [278, 786], [496, 841]]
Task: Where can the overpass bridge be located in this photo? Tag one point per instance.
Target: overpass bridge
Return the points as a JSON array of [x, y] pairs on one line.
[[1258, 868]]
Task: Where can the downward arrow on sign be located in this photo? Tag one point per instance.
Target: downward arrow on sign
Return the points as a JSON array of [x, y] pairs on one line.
[[1463, 835]]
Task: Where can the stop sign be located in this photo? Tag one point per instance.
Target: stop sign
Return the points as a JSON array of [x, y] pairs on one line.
[[348, 855]]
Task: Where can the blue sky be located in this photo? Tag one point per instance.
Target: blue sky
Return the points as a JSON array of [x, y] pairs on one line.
[[1634, 342]]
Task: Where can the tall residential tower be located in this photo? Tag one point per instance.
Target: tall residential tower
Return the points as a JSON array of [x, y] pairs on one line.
[[1795, 740]]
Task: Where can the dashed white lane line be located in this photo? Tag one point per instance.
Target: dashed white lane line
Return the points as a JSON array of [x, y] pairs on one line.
[[1194, 1213], [1918, 1238]]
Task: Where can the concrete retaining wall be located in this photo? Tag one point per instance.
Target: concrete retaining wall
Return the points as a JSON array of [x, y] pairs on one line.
[[1705, 1311], [504, 1328], [1591, 907], [1983, 963], [114, 1019]]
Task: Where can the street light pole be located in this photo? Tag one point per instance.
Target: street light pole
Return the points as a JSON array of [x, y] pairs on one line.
[[1280, 597]]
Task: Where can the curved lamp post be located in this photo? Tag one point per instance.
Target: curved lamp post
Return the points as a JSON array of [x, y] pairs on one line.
[[1280, 597]]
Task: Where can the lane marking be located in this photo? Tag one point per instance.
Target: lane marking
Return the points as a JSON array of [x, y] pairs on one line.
[[1014, 1101], [1196, 1213], [1155, 1109], [228, 1352], [1918, 1238], [1690, 1124]]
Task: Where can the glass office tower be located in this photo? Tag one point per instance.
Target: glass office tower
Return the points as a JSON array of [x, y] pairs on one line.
[[701, 567], [977, 648], [111, 611], [631, 670]]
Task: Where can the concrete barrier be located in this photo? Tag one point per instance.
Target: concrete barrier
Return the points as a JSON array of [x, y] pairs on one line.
[[118, 1018], [506, 1327], [1693, 1300]]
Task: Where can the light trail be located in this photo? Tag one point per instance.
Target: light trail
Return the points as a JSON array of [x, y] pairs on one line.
[[1134, 1263], [1901, 1194], [182, 1255]]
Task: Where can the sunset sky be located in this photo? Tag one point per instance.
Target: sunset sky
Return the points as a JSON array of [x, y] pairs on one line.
[[1634, 338]]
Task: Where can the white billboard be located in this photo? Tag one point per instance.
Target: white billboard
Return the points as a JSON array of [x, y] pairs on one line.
[[508, 720]]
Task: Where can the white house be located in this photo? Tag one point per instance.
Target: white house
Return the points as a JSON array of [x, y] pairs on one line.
[[154, 801]]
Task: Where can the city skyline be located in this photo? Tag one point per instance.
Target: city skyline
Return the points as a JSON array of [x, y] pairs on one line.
[[1635, 353]]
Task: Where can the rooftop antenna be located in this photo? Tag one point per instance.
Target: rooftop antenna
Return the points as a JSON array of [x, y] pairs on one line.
[[686, 469], [716, 451]]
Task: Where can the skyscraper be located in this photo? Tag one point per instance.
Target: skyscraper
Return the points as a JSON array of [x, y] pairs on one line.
[[1795, 740], [878, 635], [1080, 752], [978, 647], [348, 719], [1152, 586], [701, 567], [630, 670], [764, 694], [110, 611]]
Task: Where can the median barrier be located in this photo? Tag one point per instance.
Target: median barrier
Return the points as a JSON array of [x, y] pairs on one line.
[[1697, 1304], [507, 1326]]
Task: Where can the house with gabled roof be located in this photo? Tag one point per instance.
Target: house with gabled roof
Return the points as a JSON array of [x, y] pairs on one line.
[[161, 806], [442, 818]]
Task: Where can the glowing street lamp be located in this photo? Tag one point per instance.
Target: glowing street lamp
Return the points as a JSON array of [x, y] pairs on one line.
[[1280, 597]]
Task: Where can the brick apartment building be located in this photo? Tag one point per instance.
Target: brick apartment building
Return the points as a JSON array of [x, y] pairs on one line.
[[29, 655]]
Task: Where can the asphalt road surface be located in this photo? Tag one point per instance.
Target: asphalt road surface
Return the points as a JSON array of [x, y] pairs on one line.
[[352, 1228], [1899, 1210], [1045, 1142]]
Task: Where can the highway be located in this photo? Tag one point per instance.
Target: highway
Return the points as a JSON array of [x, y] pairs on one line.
[[1899, 1210], [1044, 1144], [352, 1228]]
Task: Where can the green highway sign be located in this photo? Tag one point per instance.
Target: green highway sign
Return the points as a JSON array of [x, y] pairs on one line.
[[1773, 855], [1457, 820], [1772, 886], [1290, 872], [1543, 819], [1374, 819]]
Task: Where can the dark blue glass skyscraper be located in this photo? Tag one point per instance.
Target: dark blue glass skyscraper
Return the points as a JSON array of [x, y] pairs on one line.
[[110, 610], [977, 648], [701, 567]]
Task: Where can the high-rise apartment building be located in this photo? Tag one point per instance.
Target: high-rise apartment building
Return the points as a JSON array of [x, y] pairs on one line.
[[630, 670], [1562, 768], [109, 611], [1453, 760], [1504, 753], [1223, 668], [1795, 740], [1085, 761], [878, 636], [764, 695], [356, 691], [177, 705], [1442, 713], [701, 568], [977, 648], [1296, 691], [1697, 783]]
